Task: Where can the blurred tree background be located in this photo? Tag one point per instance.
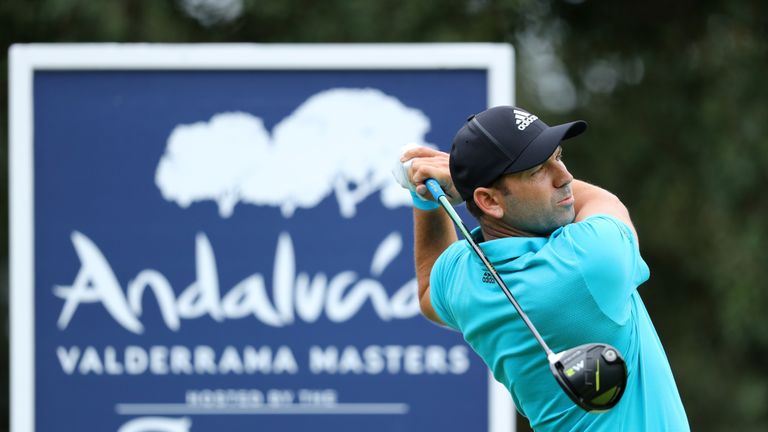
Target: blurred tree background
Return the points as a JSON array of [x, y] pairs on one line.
[[678, 109]]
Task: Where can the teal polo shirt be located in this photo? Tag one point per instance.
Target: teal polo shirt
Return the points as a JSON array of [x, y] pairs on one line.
[[577, 286]]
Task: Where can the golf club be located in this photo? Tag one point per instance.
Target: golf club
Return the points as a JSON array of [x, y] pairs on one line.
[[593, 375]]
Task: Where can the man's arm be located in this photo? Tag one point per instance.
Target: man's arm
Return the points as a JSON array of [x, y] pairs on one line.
[[607, 254], [433, 230], [592, 200]]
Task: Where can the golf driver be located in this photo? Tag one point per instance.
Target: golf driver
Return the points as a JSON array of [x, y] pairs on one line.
[[593, 375]]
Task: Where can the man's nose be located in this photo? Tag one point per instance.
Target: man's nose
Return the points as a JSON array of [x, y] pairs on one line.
[[563, 177]]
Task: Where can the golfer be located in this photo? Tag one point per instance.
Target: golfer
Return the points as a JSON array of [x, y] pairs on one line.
[[566, 249]]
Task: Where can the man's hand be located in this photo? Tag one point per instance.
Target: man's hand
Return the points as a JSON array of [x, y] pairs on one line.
[[430, 163]]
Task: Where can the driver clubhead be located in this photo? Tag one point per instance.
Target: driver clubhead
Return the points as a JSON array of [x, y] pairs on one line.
[[593, 375]]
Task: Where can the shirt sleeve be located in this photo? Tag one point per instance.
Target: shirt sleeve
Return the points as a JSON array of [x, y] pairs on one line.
[[440, 287], [608, 255]]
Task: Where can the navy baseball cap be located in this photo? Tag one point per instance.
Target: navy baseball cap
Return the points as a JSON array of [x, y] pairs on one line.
[[503, 140]]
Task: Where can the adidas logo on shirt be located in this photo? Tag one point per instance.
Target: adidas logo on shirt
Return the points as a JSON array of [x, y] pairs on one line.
[[523, 119], [488, 278]]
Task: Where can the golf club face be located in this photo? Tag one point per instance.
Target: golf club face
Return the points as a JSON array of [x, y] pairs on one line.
[[593, 375]]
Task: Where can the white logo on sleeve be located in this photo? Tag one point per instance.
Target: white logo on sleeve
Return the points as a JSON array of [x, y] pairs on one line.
[[523, 119], [338, 142]]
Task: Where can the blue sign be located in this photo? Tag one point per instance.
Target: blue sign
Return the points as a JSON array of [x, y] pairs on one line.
[[225, 249]]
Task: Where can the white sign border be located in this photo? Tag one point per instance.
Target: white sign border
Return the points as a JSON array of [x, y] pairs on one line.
[[26, 59]]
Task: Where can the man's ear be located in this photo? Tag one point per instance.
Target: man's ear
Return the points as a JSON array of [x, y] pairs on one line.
[[490, 202]]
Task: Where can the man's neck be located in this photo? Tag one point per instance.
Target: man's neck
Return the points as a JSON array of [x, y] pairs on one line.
[[495, 229]]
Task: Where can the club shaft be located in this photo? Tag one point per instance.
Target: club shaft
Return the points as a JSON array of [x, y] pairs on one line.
[[439, 195]]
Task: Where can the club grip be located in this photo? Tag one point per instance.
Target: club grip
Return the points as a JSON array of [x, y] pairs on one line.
[[435, 189]]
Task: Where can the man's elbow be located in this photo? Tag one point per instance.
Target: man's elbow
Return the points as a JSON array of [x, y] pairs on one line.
[[425, 305]]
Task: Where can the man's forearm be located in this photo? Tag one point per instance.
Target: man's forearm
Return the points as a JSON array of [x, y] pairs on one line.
[[591, 199], [433, 233], [586, 195]]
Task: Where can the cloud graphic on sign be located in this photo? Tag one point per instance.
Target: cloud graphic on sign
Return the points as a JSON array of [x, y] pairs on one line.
[[339, 142]]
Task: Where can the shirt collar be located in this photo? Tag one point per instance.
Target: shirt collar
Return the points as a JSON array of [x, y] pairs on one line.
[[508, 247]]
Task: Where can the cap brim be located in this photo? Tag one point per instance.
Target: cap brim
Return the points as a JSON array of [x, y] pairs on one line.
[[542, 147]]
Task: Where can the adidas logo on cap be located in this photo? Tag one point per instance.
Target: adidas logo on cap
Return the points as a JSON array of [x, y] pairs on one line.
[[523, 119]]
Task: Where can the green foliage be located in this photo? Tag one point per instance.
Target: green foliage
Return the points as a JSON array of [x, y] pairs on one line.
[[676, 100], [686, 149]]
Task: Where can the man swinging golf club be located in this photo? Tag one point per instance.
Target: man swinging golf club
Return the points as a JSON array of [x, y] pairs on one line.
[[567, 250]]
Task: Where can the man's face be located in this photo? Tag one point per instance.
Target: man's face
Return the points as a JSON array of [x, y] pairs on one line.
[[539, 200]]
